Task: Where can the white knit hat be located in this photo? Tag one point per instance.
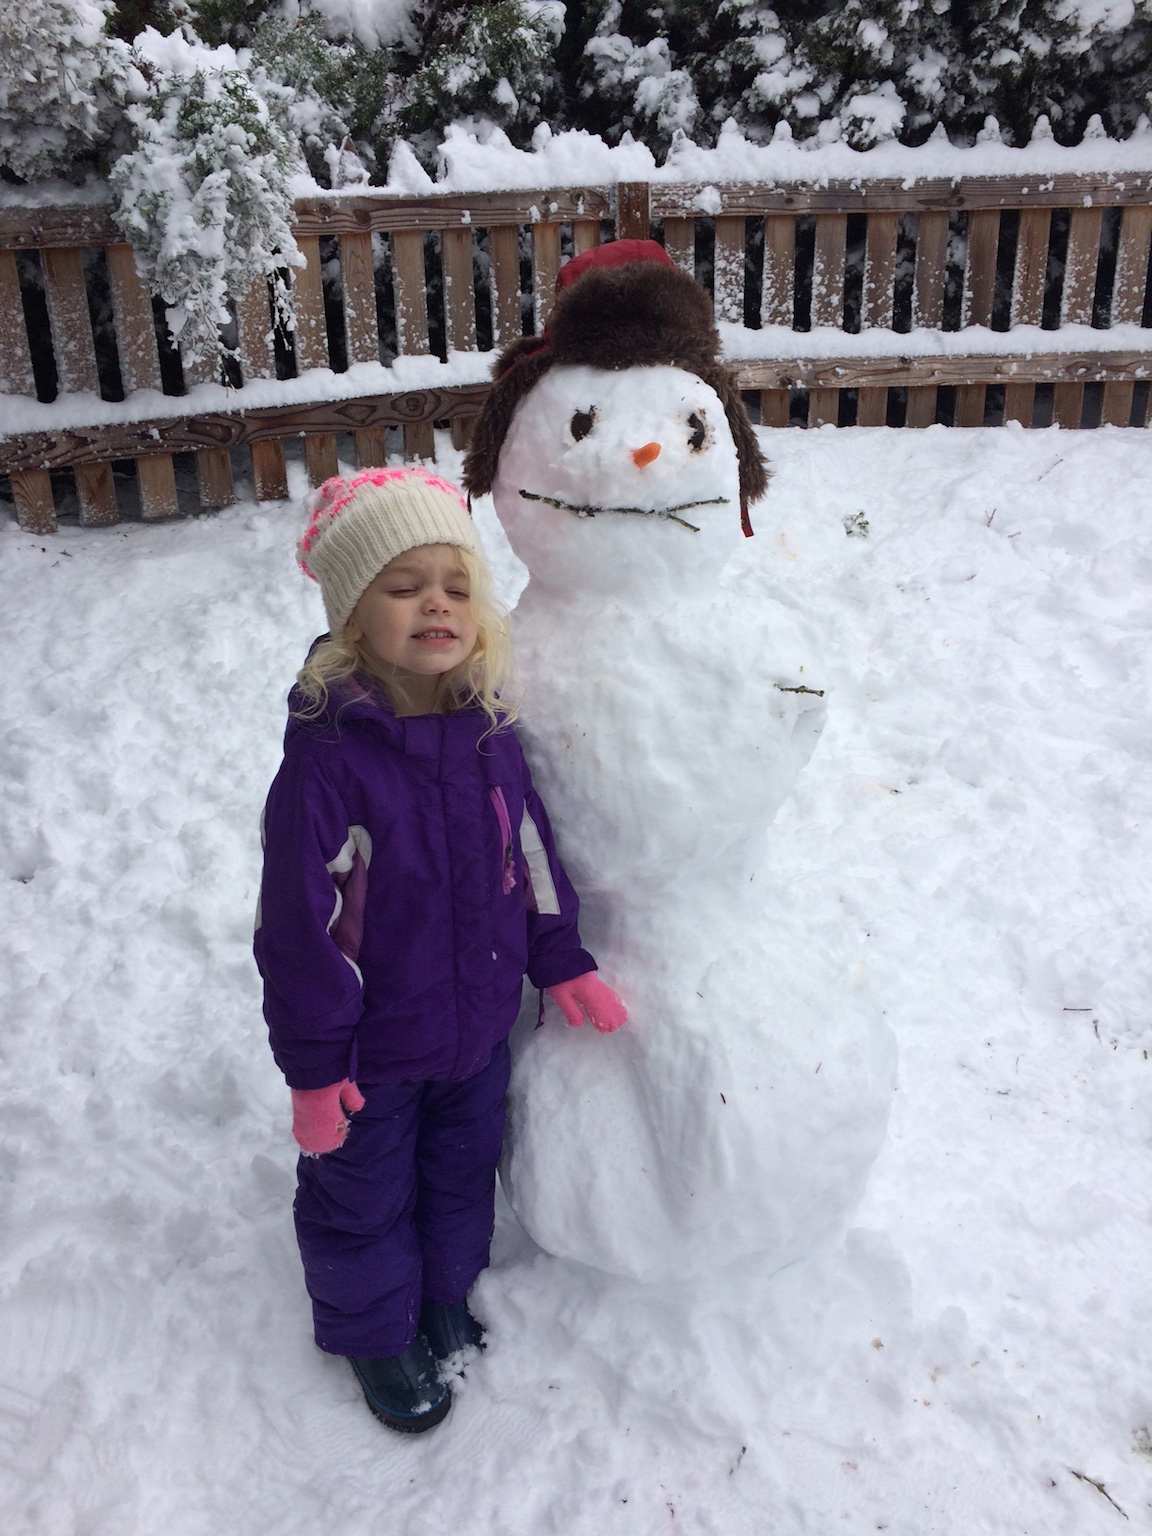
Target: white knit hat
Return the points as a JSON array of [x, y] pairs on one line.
[[357, 526]]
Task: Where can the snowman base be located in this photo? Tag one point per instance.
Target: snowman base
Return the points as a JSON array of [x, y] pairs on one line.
[[748, 1128]]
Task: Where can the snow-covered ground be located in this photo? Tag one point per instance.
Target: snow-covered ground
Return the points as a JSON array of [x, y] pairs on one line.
[[976, 1356]]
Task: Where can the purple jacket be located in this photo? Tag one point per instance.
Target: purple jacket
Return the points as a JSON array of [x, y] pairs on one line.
[[410, 882]]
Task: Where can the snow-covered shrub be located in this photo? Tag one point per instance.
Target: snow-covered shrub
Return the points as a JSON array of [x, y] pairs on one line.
[[373, 24], [493, 61], [204, 195], [227, 21], [634, 81], [884, 69], [865, 70], [750, 72], [326, 81], [1064, 59], [61, 80]]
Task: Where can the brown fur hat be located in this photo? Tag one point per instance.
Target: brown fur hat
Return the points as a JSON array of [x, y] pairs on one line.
[[615, 317]]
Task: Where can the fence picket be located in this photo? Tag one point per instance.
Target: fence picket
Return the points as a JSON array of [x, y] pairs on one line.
[[70, 321], [1028, 298], [828, 269], [1131, 283], [410, 292], [311, 341], [931, 268], [1128, 290], [928, 304], [777, 306], [979, 295], [777, 303], [506, 321], [879, 284], [880, 269], [410, 288], [254, 330], [269, 470], [135, 328], [776, 407], [139, 369], [680, 243], [321, 458], [1019, 403], [545, 267], [823, 407], [1077, 300], [1080, 266], [729, 279], [1031, 265], [96, 492], [871, 407], [828, 302], [214, 474], [361, 329], [199, 370], [157, 481], [32, 493], [585, 235], [459, 308], [15, 356], [459, 296], [257, 361], [1116, 408], [311, 335], [980, 267], [921, 408], [371, 445]]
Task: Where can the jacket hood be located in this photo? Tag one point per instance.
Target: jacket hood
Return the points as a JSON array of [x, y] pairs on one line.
[[360, 701], [358, 698]]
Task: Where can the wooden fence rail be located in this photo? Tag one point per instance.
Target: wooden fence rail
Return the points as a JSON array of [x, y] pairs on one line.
[[902, 270]]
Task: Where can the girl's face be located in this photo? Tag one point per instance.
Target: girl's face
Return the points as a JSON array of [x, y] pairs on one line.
[[415, 617]]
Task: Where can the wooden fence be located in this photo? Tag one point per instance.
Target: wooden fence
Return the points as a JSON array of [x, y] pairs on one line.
[[388, 278]]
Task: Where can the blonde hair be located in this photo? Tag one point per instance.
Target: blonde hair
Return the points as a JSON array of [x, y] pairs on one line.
[[485, 679]]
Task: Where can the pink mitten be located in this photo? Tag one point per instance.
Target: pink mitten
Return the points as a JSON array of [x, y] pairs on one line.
[[319, 1121], [604, 1009]]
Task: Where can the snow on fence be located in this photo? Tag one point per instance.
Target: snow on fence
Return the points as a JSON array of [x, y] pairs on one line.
[[969, 301]]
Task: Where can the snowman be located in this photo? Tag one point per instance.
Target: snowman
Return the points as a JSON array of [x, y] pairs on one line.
[[670, 701]]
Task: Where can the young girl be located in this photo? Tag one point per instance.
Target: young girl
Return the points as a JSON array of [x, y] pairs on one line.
[[410, 882]]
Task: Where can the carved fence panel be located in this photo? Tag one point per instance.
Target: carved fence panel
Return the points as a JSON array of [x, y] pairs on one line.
[[393, 287]]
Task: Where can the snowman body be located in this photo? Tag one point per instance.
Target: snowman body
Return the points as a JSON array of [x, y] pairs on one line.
[[669, 707]]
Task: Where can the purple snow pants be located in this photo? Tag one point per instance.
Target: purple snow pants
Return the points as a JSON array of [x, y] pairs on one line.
[[403, 1211]]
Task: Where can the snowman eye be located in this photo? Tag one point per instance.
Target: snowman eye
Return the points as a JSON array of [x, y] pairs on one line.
[[583, 422], [699, 435]]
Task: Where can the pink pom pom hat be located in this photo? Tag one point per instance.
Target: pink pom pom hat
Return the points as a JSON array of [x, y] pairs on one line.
[[358, 525]]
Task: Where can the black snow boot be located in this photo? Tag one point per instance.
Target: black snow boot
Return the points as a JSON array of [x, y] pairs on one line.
[[405, 1391], [449, 1327]]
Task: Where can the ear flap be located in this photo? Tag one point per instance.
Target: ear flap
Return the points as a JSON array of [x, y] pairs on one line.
[[518, 369], [754, 471]]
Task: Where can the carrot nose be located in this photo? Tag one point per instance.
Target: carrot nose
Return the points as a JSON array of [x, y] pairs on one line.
[[645, 455]]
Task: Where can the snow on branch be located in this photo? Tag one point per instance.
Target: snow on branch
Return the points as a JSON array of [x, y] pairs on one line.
[[204, 197]]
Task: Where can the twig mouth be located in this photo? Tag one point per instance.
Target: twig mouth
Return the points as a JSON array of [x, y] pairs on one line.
[[664, 514]]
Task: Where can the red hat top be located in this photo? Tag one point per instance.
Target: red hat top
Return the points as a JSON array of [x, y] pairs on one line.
[[617, 253]]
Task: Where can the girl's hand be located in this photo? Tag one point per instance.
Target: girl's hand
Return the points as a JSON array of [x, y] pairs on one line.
[[319, 1122], [604, 1009]]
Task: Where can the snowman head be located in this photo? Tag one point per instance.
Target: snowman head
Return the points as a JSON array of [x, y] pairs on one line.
[[618, 436]]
